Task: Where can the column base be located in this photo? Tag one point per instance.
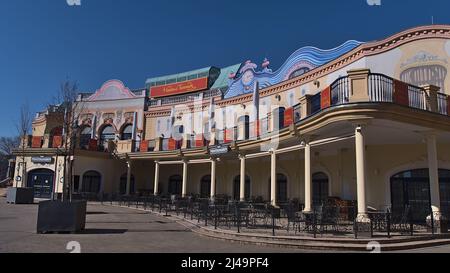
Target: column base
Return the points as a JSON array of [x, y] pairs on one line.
[[363, 218], [363, 226], [440, 223]]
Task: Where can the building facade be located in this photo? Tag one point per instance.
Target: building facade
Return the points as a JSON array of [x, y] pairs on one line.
[[364, 122]]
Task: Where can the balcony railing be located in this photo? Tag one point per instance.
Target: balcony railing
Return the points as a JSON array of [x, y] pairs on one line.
[[340, 91], [381, 88], [443, 104]]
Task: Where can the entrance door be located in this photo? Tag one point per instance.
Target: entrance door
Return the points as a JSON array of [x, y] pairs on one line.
[[42, 182], [175, 185], [205, 187], [411, 188]]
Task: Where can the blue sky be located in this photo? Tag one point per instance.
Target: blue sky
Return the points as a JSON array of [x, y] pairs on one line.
[[42, 42]]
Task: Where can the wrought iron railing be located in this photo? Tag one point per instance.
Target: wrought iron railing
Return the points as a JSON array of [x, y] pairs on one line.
[[417, 97], [340, 91], [381, 88], [442, 104]]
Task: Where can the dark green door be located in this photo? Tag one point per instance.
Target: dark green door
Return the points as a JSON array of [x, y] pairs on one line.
[[42, 182]]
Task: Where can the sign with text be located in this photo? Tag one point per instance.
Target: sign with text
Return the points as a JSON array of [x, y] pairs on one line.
[[179, 88], [42, 160]]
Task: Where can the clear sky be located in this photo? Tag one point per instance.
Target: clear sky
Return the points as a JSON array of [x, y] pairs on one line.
[[43, 42]]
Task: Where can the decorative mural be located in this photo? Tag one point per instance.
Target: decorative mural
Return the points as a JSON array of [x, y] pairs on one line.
[[300, 62], [425, 68]]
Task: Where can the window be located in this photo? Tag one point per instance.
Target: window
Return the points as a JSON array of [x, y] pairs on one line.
[[244, 127], [127, 132], [123, 184], [175, 185], [299, 72], [281, 189], [278, 115], [320, 188], [91, 182], [411, 188], [85, 137], [107, 135]]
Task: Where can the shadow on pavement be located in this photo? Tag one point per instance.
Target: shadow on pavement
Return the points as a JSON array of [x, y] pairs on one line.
[[98, 231]]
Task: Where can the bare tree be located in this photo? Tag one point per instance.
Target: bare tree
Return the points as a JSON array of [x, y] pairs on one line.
[[72, 109], [7, 145], [23, 127]]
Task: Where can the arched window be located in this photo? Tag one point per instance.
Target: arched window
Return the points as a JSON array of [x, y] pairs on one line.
[[123, 184], [412, 188], [106, 135], [127, 132], [175, 185], [237, 187], [91, 182], [299, 72], [85, 137], [205, 186], [320, 188]]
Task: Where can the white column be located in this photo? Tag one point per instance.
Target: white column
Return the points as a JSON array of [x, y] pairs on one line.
[[361, 174], [308, 178], [128, 189], [273, 178], [434, 175], [242, 184], [156, 185], [185, 174], [213, 178]]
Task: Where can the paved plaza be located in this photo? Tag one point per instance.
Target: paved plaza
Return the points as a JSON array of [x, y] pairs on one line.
[[120, 230]]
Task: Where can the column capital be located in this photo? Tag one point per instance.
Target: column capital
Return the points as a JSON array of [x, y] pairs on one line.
[[429, 133], [213, 159], [308, 138], [242, 156]]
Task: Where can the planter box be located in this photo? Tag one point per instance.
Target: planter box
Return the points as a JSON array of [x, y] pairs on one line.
[[20, 196], [57, 216]]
